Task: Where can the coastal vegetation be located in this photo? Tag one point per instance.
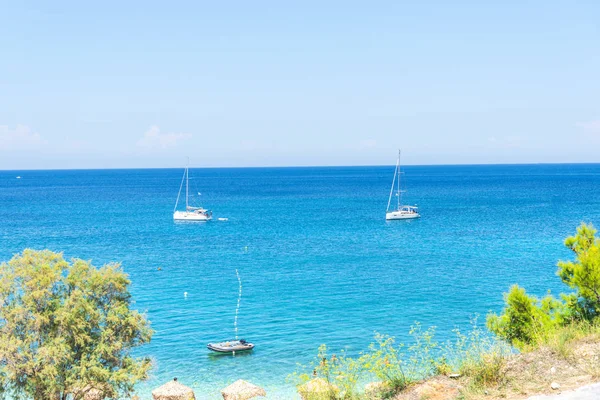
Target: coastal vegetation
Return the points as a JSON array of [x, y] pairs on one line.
[[525, 345], [67, 329], [528, 321], [394, 367]]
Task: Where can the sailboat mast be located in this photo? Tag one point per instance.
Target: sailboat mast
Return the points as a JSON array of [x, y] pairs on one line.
[[398, 173], [237, 309], [187, 183], [179, 193], [392, 188]]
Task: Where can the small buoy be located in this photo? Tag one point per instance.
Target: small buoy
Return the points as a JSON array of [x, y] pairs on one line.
[[184, 294]]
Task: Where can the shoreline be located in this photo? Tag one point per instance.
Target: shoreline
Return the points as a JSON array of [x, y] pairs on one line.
[[541, 374]]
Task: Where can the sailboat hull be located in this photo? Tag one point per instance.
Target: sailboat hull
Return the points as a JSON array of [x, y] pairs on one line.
[[191, 216], [401, 215]]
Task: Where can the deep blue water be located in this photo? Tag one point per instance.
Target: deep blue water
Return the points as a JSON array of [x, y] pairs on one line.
[[319, 263]]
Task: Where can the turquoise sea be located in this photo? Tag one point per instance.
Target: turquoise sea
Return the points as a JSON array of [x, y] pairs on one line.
[[318, 262]]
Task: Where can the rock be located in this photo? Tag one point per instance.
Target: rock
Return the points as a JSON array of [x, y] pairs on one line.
[[440, 390], [552, 370], [318, 388], [555, 386], [376, 390]]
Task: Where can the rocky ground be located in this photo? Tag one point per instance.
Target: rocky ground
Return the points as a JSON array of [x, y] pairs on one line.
[[546, 372]]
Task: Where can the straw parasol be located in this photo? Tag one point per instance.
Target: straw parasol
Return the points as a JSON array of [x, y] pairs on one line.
[[242, 390], [173, 390], [317, 386], [92, 393]]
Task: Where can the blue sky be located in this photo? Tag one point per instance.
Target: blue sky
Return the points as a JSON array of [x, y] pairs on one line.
[[145, 84]]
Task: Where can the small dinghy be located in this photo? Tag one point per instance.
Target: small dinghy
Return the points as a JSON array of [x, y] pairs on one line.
[[231, 346]]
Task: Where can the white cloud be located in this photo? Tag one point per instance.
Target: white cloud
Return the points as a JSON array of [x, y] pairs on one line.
[[154, 139], [19, 138]]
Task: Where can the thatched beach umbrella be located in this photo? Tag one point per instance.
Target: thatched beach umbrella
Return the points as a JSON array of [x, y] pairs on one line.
[[173, 390], [91, 393], [94, 394], [242, 390], [318, 387]]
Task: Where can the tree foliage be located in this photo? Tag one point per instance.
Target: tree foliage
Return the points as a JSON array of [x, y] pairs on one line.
[[527, 320], [67, 328], [583, 274]]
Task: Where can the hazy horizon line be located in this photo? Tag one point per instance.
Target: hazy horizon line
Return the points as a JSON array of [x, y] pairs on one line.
[[304, 166]]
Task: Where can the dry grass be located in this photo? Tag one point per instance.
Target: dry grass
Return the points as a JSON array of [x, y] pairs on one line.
[[571, 359]]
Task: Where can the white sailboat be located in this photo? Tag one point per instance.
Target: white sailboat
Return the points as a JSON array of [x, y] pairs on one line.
[[190, 213], [400, 211]]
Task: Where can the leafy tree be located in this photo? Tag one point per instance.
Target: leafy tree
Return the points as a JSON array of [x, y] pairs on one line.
[[527, 320], [67, 328], [583, 274]]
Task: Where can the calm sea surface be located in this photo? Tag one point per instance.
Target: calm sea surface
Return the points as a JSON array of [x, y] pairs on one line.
[[318, 261]]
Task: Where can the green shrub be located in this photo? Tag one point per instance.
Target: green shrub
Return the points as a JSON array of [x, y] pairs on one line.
[[340, 373], [398, 366], [477, 356], [561, 340], [384, 361], [528, 321], [583, 274]]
